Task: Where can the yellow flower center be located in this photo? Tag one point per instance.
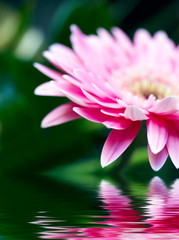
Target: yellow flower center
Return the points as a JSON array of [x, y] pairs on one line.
[[145, 88], [144, 83]]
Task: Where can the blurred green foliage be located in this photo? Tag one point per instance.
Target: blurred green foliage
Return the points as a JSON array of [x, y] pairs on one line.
[[27, 28]]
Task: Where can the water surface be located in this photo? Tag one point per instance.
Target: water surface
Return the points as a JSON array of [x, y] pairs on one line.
[[42, 208]]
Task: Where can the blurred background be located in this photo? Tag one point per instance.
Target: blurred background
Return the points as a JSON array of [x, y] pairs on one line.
[[27, 28]]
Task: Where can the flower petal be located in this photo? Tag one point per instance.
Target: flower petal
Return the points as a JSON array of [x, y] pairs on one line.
[[91, 114], [72, 80], [96, 115], [117, 142], [142, 37], [122, 39], [157, 134], [135, 114], [143, 43], [65, 57], [112, 111], [165, 106], [59, 115], [106, 102], [47, 89], [92, 81], [173, 146], [87, 48], [48, 72], [72, 92], [157, 160], [117, 123]]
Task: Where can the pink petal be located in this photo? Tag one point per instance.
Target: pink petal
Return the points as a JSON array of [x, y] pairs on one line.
[[143, 43], [142, 37], [83, 76], [117, 123], [162, 40], [157, 160], [59, 115], [157, 134], [49, 56], [95, 115], [48, 72], [65, 57], [105, 37], [135, 114], [112, 112], [91, 114], [148, 103], [88, 79], [122, 39], [72, 92], [103, 92], [173, 146], [72, 80], [47, 89], [165, 106], [117, 142], [86, 49], [106, 102]]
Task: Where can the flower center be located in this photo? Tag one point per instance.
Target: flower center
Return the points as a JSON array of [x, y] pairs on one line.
[[145, 88], [144, 83]]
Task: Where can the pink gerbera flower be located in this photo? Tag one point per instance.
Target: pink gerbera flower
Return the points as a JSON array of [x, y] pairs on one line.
[[119, 83]]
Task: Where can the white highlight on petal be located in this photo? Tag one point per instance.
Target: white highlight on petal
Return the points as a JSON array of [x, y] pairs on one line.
[[157, 134], [157, 160], [173, 146], [134, 113], [117, 123], [59, 115], [165, 106], [142, 38], [47, 89]]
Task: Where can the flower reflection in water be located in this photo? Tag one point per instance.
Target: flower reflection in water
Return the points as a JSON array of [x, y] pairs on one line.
[[125, 221], [163, 209]]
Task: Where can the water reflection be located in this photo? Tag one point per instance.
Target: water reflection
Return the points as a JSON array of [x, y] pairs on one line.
[[122, 218], [163, 209]]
